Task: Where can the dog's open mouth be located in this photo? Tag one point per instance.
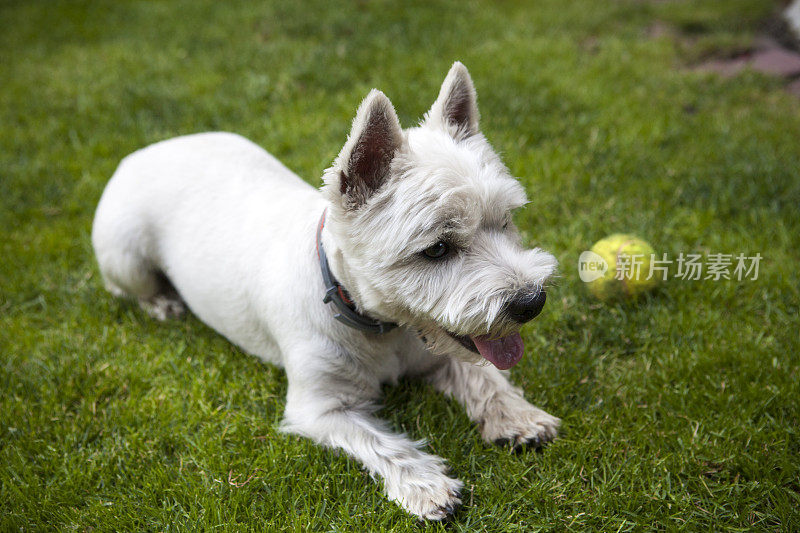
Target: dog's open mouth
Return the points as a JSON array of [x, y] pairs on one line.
[[502, 352]]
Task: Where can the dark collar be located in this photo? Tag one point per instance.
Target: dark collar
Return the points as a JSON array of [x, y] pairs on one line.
[[336, 294]]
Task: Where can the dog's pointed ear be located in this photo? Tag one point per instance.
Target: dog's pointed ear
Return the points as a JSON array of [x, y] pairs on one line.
[[456, 108], [365, 161]]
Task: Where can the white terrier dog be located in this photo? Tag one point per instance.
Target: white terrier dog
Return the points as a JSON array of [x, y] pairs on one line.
[[406, 263]]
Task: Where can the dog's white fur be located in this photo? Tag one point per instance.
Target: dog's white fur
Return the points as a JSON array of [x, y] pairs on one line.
[[216, 222]]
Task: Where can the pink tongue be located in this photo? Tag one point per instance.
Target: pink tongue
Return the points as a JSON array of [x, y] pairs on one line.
[[503, 353]]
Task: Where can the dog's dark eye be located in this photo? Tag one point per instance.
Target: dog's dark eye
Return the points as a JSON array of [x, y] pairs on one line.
[[437, 251], [505, 225]]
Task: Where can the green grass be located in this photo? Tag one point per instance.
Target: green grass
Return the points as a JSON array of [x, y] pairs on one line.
[[680, 412]]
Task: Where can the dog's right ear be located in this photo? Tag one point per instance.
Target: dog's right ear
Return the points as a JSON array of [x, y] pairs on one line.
[[364, 163]]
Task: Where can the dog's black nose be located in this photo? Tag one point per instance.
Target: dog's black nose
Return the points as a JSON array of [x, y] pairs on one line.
[[525, 307]]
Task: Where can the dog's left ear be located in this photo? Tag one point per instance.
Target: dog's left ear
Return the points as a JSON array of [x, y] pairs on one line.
[[365, 161], [456, 108]]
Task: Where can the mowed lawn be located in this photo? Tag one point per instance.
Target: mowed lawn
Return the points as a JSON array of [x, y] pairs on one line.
[[680, 411]]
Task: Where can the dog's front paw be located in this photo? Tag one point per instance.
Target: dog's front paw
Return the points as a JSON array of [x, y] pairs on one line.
[[430, 496], [518, 423]]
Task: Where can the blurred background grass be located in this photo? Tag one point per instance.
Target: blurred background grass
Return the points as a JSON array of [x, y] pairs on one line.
[[679, 412]]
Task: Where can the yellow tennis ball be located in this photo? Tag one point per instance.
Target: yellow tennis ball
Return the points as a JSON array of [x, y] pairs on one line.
[[626, 273]]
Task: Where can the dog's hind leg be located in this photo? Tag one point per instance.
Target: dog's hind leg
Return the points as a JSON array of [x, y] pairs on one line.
[[128, 273], [166, 303]]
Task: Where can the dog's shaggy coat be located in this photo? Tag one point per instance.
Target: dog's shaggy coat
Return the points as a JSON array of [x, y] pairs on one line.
[[419, 232]]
